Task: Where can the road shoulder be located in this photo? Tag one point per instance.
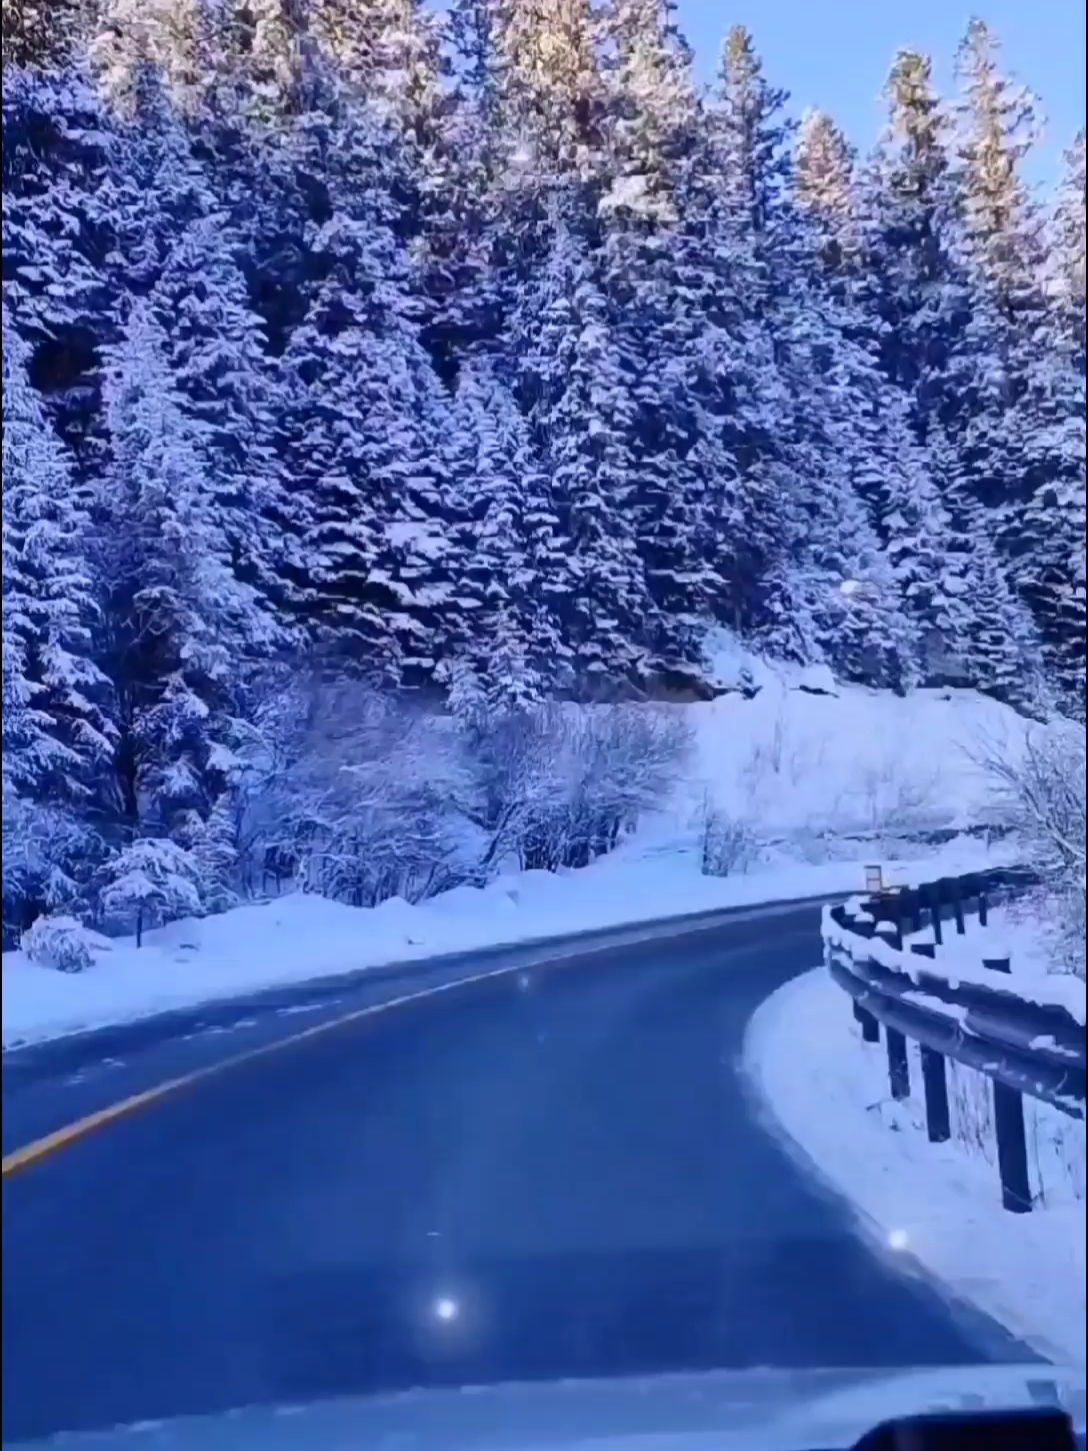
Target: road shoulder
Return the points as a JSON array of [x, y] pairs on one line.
[[938, 1205]]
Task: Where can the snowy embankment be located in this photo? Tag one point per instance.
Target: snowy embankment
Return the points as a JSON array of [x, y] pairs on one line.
[[937, 1203], [301, 936], [820, 784]]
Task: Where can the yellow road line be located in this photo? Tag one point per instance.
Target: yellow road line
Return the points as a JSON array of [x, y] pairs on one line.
[[50, 1143]]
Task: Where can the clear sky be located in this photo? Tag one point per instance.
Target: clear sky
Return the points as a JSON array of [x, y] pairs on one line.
[[834, 54]]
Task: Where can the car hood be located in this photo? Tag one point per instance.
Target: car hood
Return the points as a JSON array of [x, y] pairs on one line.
[[757, 1410]]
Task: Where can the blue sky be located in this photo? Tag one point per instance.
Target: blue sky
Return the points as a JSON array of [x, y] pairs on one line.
[[835, 53]]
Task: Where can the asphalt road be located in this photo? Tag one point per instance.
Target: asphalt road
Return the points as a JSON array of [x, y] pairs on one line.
[[552, 1173]]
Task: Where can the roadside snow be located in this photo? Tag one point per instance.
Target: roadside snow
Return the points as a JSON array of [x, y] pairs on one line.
[[300, 936], [826, 782], [851, 760], [940, 1203]]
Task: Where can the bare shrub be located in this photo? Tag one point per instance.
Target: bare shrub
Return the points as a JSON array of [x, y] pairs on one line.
[[1038, 792], [348, 791], [362, 795], [729, 844], [557, 785]]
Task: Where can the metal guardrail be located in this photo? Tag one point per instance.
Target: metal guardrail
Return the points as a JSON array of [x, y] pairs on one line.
[[1023, 1047]]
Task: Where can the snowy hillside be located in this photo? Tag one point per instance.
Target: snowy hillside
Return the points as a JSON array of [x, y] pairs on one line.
[[385, 386], [805, 755], [825, 782]]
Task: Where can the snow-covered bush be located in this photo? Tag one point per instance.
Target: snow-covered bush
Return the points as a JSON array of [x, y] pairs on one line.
[[49, 857], [59, 942], [147, 883], [1039, 792], [556, 785], [729, 843], [351, 792]]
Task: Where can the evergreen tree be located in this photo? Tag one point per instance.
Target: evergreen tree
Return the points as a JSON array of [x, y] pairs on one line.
[[581, 412], [512, 546], [57, 737], [825, 185], [216, 349], [180, 40], [1023, 448], [553, 103], [171, 638], [43, 33], [1067, 251], [362, 436], [651, 108], [61, 223], [917, 289], [275, 57]]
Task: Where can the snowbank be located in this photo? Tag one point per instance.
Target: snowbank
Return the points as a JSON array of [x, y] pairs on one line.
[[940, 1203], [299, 936]]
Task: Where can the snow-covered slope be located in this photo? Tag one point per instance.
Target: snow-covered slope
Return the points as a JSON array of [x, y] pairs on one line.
[[805, 754], [825, 781]]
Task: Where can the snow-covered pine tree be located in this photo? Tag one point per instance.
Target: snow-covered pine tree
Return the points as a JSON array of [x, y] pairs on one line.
[[216, 349], [1001, 651], [173, 629], [43, 33], [275, 57], [149, 882], [361, 440], [61, 222], [915, 285], [651, 110], [1066, 251], [1022, 453], [824, 182], [580, 409], [828, 592], [650, 269], [998, 126], [553, 104], [462, 229], [57, 737], [841, 582], [512, 548], [179, 39]]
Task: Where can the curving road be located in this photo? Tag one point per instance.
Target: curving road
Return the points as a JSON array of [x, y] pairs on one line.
[[554, 1172]]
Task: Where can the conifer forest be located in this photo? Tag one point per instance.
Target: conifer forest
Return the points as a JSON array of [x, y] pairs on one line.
[[443, 369]]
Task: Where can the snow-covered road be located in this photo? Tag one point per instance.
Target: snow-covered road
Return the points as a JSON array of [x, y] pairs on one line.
[[553, 1172]]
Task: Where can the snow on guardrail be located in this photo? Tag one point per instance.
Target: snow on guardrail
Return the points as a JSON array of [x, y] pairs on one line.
[[932, 965]]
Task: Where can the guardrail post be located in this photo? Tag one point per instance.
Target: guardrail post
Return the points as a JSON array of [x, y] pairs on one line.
[[870, 1027], [938, 1120], [898, 1064], [982, 906], [1012, 1149], [957, 909], [916, 916], [935, 912]]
